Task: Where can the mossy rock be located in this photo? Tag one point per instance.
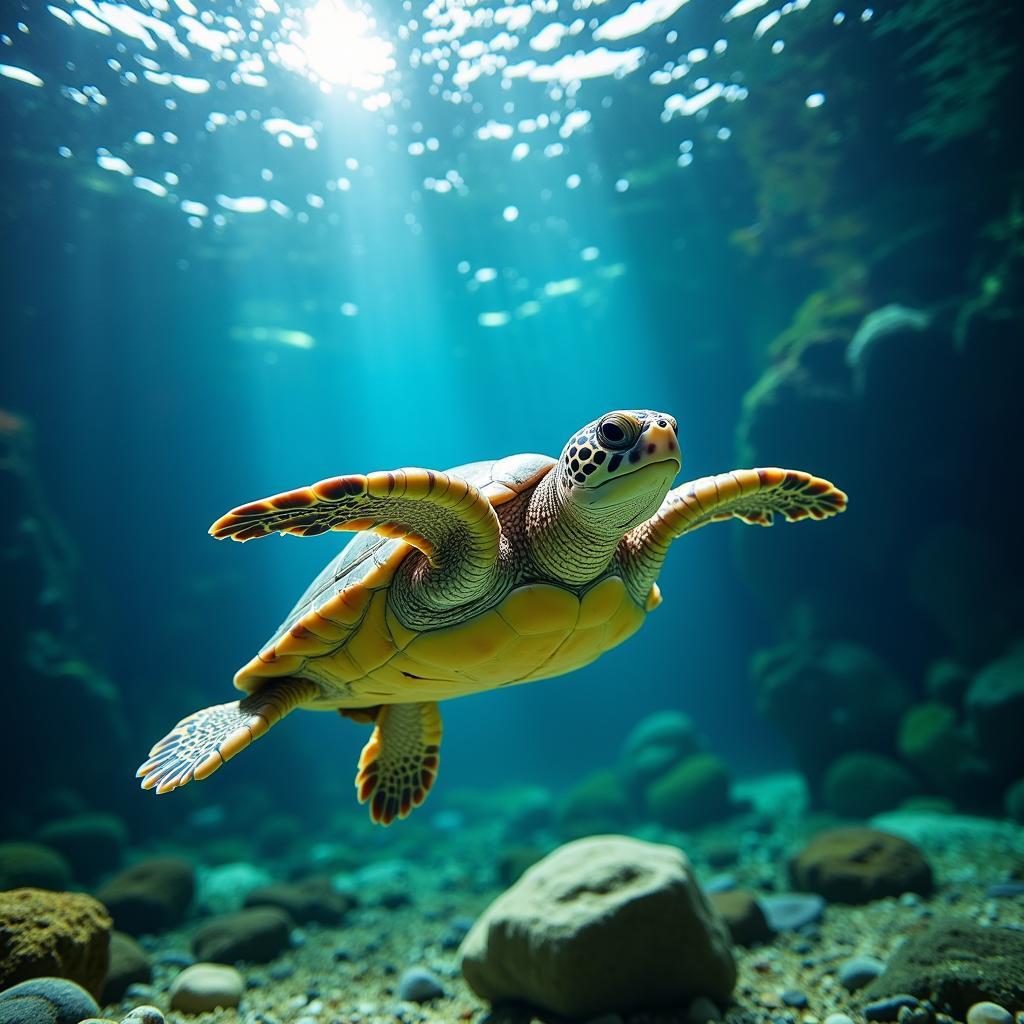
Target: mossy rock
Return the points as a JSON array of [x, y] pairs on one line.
[[32, 865], [599, 803], [53, 934], [956, 963], [150, 896], [995, 709], [861, 784], [655, 745], [693, 793], [92, 843], [932, 740]]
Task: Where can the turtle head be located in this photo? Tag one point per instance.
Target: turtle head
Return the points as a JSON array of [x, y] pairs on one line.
[[618, 469]]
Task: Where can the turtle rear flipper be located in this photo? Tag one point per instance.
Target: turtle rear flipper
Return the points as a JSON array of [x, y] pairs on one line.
[[399, 763], [198, 745]]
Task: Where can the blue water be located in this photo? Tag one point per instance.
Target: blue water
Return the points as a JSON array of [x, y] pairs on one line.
[[407, 267]]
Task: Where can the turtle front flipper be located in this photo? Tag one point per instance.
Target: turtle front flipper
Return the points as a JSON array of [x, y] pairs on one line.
[[399, 763], [198, 745], [754, 496], [444, 516]]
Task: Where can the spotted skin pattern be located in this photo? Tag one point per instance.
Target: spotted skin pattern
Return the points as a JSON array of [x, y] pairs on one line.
[[488, 575], [602, 447], [399, 763], [201, 743]]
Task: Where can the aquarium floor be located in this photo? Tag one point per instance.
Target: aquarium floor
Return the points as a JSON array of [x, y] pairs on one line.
[[310, 985]]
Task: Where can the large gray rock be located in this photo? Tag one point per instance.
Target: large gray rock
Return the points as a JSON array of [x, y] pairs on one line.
[[603, 924]]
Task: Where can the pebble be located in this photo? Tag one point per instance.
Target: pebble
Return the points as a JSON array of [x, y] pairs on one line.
[[794, 997], [203, 987], [838, 1018], [1005, 890], [417, 985], [889, 1009], [788, 912], [857, 972], [144, 1015], [989, 1013], [720, 883]]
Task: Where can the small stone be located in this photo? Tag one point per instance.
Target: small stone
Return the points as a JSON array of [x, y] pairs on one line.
[[743, 916], [789, 912], [795, 998], [854, 974], [838, 1018], [989, 1013], [889, 1009], [417, 985], [203, 987], [144, 1015]]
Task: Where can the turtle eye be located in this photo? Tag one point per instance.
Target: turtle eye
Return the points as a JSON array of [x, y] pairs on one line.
[[618, 432]]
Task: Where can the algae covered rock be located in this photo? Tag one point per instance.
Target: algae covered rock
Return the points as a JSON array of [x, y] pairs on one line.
[[602, 924], [257, 935], [33, 866], [151, 896], [861, 784], [932, 740], [829, 699], [857, 865], [599, 803], [655, 745], [956, 963], [46, 1001], [311, 900], [693, 793], [92, 843], [58, 934], [995, 709]]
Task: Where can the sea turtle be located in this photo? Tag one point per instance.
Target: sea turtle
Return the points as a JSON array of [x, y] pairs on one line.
[[482, 576]]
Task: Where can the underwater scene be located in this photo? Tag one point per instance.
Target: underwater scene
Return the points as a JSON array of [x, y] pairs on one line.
[[365, 361]]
